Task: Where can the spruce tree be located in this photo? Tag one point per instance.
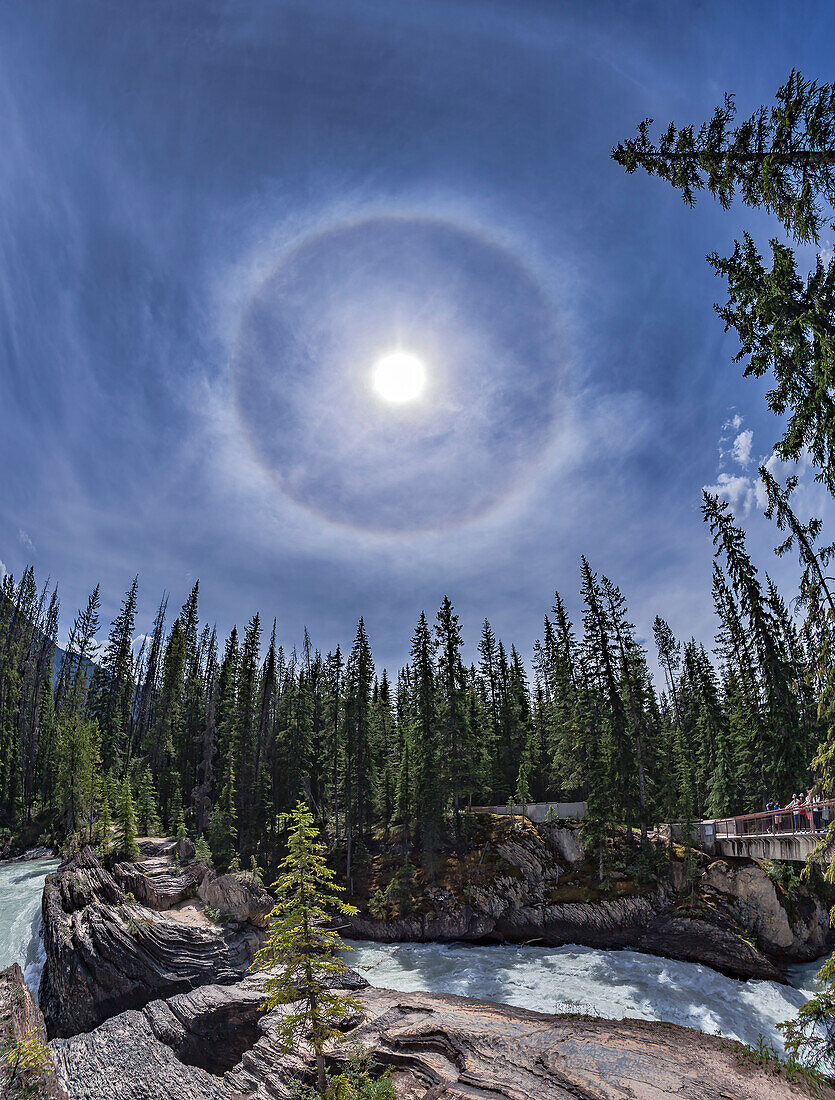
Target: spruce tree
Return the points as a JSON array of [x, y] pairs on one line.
[[113, 684], [428, 791], [304, 947], [71, 690], [781, 159], [451, 716], [357, 779], [75, 770], [246, 724], [147, 815], [782, 763], [125, 817]]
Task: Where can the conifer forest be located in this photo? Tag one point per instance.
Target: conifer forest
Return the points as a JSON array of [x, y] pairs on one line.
[[218, 737]]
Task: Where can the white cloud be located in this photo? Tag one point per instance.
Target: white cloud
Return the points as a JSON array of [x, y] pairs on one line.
[[738, 490], [741, 449], [25, 541], [827, 253], [3, 570]]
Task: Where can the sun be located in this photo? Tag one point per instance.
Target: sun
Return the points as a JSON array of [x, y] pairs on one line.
[[399, 377]]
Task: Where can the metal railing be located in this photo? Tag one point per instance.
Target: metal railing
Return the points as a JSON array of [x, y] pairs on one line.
[[805, 820]]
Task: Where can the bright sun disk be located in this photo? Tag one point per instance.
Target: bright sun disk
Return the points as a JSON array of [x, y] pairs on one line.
[[399, 377]]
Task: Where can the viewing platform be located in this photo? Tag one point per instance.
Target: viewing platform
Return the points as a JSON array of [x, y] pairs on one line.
[[789, 835], [538, 812], [776, 834]]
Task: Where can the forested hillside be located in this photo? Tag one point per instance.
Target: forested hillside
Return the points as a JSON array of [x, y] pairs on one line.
[[219, 737]]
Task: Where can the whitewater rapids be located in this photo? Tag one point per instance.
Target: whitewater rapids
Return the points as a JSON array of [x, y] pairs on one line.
[[613, 984]]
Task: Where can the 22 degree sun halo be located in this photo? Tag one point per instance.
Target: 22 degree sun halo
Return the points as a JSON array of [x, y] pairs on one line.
[[399, 377]]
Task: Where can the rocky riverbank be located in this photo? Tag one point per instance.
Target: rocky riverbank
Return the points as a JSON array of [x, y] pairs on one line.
[[146, 994], [117, 939], [214, 1043], [520, 883]]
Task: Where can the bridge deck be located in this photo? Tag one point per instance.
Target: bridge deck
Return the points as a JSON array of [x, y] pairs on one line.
[[786, 834]]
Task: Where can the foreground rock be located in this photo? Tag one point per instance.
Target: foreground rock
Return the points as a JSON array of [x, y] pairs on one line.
[[106, 952], [21, 1020], [210, 1045], [732, 919]]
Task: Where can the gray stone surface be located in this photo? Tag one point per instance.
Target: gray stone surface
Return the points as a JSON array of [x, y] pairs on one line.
[[105, 955], [438, 1048]]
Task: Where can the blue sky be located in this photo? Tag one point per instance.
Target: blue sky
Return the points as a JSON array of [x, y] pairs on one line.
[[215, 216]]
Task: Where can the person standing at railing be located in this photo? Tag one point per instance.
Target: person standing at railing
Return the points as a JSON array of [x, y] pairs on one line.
[[807, 812], [794, 806], [817, 810]]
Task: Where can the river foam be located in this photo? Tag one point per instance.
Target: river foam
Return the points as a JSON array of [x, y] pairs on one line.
[[613, 984], [21, 932]]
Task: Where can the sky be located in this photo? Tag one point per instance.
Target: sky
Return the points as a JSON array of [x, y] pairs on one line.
[[217, 216]]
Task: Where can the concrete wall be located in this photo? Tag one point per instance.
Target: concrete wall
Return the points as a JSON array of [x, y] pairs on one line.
[[538, 811], [701, 833], [790, 848]]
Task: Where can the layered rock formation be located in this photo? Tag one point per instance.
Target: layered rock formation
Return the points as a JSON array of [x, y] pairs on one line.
[[117, 941], [148, 1000], [439, 1048], [732, 919]]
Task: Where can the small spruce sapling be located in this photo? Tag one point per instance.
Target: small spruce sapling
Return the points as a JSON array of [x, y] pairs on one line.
[[202, 851], [304, 948]]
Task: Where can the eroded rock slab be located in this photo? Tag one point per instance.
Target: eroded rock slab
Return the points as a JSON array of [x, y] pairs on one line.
[[439, 1048], [105, 954]]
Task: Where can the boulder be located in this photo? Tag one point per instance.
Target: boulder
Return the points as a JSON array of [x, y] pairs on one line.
[[37, 853], [797, 929], [566, 843], [21, 1020], [105, 954], [236, 898], [185, 850]]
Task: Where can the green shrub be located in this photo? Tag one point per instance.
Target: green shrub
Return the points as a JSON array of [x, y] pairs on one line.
[[355, 1081], [23, 1063], [217, 916]]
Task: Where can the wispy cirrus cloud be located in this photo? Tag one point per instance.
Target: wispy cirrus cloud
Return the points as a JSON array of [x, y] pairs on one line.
[[129, 224]]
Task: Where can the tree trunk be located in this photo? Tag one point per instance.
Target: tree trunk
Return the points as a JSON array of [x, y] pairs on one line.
[[349, 829], [321, 1080]]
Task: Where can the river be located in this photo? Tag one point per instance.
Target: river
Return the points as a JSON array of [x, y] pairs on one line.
[[549, 979], [582, 979], [21, 886]]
